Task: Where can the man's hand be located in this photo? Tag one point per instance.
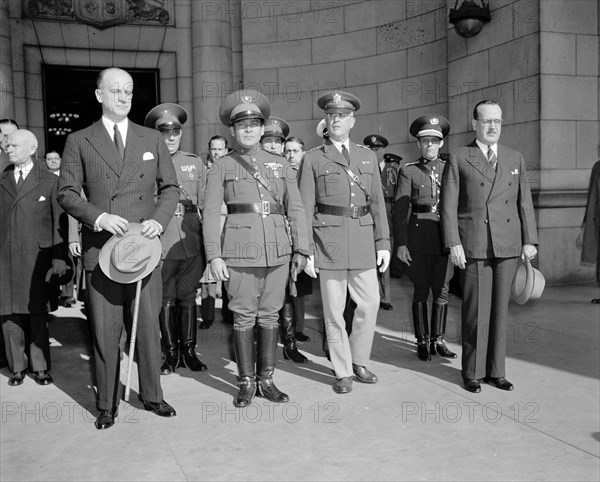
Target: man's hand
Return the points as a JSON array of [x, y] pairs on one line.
[[151, 228], [299, 262], [59, 267], [113, 224], [528, 252], [310, 268], [219, 269], [75, 249], [383, 259], [457, 256], [404, 255]]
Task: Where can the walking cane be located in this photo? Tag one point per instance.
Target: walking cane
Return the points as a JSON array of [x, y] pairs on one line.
[[136, 309]]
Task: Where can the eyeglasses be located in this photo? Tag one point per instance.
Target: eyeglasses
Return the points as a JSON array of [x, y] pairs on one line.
[[171, 132], [341, 115], [489, 122], [434, 140]]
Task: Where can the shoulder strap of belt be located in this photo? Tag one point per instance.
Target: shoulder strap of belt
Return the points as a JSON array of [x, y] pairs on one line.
[[356, 179], [255, 173]]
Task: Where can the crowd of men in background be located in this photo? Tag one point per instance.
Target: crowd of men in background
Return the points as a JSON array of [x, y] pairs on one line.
[[256, 224]]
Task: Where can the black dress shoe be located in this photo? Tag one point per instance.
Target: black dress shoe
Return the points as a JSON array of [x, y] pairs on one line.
[[499, 382], [596, 301], [363, 375], [106, 418], [42, 377], [16, 378], [301, 336], [472, 385], [205, 325], [343, 385], [162, 408], [386, 306]]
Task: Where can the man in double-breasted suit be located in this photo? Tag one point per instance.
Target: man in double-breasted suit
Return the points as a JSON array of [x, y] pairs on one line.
[[488, 221], [341, 190], [120, 165], [33, 246]]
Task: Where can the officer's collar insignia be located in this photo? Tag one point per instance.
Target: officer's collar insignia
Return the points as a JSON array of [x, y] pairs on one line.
[[246, 99], [337, 98], [434, 121]]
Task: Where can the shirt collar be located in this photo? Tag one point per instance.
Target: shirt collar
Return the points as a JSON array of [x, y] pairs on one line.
[[338, 145], [484, 147], [110, 127], [26, 168]]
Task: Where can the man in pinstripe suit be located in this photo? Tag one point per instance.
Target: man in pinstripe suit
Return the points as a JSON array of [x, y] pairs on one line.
[[119, 165]]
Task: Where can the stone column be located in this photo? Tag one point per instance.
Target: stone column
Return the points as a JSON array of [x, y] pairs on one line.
[[7, 101], [212, 73]]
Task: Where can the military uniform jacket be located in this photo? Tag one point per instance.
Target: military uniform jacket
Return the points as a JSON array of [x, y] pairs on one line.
[[489, 212], [125, 187], [341, 242], [252, 239], [183, 236], [591, 233], [389, 181], [32, 233], [419, 184]]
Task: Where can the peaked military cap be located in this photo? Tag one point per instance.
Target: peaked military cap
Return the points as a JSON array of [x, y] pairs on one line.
[[338, 101], [375, 140], [244, 104], [166, 116], [276, 127], [391, 158], [430, 125]]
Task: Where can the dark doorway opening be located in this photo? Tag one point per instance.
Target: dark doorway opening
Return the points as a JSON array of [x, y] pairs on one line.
[[70, 103]]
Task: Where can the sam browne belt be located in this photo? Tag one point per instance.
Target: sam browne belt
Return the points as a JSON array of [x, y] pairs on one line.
[[351, 212], [263, 208]]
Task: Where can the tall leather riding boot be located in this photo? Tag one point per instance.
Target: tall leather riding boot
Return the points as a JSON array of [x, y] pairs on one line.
[[439, 312], [266, 357], [243, 345], [207, 311], [189, 330], [286, 322], [170, 337], [421, 325]]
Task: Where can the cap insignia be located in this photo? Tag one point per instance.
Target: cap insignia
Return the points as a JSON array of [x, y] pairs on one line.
[[337, 98], [246, 99], [275, 122], [434, 121], [373, 139], [165, 113]]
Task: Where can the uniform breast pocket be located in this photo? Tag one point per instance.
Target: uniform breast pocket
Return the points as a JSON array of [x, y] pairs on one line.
[[231, 184], [328, 183], [366, 175]]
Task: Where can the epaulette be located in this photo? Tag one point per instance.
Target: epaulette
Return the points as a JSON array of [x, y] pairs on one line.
[[364, 147], [413, 163], [315, 148], [189, 154]]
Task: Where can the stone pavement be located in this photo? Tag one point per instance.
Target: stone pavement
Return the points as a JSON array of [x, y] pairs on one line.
[[417, 423]]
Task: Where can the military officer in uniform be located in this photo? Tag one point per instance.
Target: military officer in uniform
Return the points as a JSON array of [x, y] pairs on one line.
[[419, 237], [389, 175], [182, 250], [340, 186], [264, 229], [276, 131]]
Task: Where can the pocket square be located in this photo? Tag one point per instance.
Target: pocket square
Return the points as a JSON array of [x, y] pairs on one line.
[[514, 172], [42, 198], [147, 156]]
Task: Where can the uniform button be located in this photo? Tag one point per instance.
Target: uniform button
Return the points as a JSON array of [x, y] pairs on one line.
[[351, 194], [486, 221], [237, 225], [142, 174], [141, 196], [481, 184], [352, 184], [322, 222], [508, 220], [113, 198]]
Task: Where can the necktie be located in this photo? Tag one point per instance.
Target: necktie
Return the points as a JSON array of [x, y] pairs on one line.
[[119, 142], [345, 153], [20, 180], [491, 157]]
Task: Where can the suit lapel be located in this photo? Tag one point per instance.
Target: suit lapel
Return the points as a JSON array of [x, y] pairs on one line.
[[101, 141], [8, 182]]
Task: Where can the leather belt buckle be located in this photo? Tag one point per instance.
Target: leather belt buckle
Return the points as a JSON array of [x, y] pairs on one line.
[[355, 212], [265, 208], [179, 210]]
